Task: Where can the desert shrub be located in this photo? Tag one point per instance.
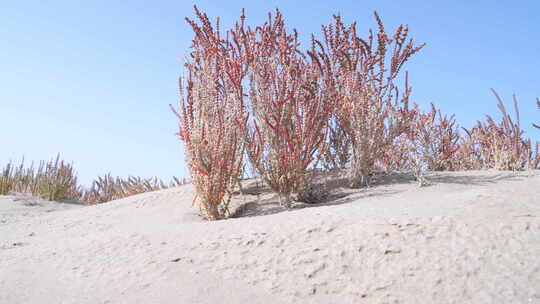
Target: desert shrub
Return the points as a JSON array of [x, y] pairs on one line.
[[430, 141], [398, 156], [436, 138], [290, 110], [433, 141], [211, 115], [254, 94], [501, 145], [336, 152], [362, 80], [468, 153], [337, 102]]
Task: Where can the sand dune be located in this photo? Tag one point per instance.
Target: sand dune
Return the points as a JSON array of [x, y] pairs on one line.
[[471, 237]]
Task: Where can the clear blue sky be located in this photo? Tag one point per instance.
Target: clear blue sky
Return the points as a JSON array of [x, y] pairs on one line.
[[93, 79]]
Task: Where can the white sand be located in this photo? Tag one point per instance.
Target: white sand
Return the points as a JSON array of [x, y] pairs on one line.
[[472, 237]]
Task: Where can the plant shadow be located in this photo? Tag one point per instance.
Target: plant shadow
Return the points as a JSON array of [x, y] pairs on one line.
[[258, 199], [473, 178]]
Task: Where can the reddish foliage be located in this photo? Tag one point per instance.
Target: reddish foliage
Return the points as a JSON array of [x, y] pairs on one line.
[[500, 145], [438, 139], [369, 107], [255, 93], [212, 116], [290, 111]]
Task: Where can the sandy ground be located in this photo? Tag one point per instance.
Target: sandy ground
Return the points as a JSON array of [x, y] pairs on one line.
[[471, 237]]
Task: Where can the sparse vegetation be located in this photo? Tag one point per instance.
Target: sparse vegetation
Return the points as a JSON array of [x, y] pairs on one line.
[[290, 110], [287, 113], [56, 180], [500, 146], [360, 78], [254, 99], [52, 180], [212, 113], [108, 188], [429, 143]]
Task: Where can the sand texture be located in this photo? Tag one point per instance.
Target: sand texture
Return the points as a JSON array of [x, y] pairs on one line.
[[471, 237]]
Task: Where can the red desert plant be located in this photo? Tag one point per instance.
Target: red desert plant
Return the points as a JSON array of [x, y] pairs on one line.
[[336, 153], [369, 105], [468, 154], [500, 146], [433, 140], [438, 137], [290, 110], [398, 157], [212, 121], [429, 142]]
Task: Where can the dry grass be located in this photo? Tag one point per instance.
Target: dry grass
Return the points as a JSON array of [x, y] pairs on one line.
[[52, 180], [56, 180], [108, 188]]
